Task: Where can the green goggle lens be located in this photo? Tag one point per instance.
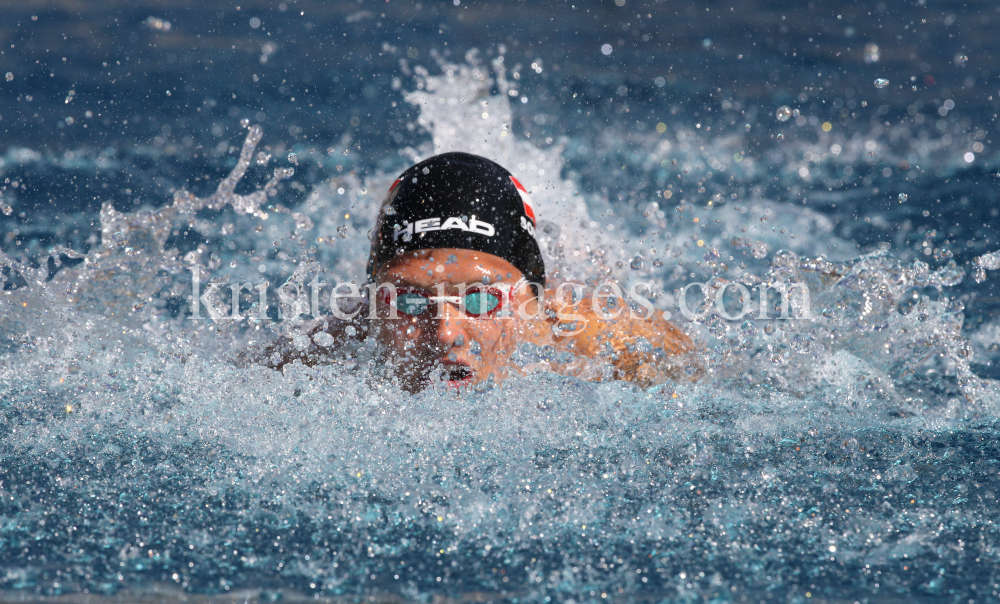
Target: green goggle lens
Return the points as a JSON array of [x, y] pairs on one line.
[[480, 303], [411, 304]]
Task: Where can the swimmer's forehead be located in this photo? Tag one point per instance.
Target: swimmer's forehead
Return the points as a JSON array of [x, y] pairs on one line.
[[446, 265]]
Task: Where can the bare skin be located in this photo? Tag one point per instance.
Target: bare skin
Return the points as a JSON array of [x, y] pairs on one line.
[[447, 345]]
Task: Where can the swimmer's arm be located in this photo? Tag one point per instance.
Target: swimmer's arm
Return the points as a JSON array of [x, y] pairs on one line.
[[646, 350], [319, 349]]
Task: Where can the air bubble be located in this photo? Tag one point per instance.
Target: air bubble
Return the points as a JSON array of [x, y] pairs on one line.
[[636, 263], [784, 113], [245, 122], [9, 76], [293, 158], [903, 197], [780, 136], [881, 83]]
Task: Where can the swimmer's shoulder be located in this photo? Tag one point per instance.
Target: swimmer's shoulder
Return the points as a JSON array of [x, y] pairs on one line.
[[645, 349], [316, 342]]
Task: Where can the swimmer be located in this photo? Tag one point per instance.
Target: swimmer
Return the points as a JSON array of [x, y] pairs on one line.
[[461, 284]]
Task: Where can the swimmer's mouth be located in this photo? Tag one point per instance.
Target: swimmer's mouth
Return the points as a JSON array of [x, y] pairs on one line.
[[456, 373]]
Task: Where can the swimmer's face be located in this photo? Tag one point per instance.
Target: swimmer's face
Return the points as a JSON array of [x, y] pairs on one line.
[[444, 342]]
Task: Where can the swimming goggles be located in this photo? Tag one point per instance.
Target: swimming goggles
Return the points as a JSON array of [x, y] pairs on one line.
[[478, 300]]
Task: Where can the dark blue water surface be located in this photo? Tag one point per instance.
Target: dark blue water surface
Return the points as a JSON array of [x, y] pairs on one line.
[[852, 456]]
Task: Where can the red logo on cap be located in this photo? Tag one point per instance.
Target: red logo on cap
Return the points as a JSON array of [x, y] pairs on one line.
[[526, 200]]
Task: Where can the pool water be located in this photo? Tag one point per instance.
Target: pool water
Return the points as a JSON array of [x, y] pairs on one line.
[[846, 452]]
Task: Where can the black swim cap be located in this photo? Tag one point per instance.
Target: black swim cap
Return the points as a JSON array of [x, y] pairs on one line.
[[463, 201]]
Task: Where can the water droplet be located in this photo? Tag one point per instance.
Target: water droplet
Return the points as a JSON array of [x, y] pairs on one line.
[[961, 59], [7, 210], [636, 263], [426, 170], [390, 211], [989, 261], [263, 158], [781, 136], [301, 341], [657, 262], [323, 339], [245, 122], [9, 76], [881, 83], [784, 113], [759, 249], [903, 197], [871, 53], [606, 49], [293, 158], [747, 127]]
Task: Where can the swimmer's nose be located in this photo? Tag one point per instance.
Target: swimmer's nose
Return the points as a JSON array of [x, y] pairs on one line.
[[449, 325]]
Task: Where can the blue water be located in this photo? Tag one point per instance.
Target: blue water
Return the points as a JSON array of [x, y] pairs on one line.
[[850, 456]]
